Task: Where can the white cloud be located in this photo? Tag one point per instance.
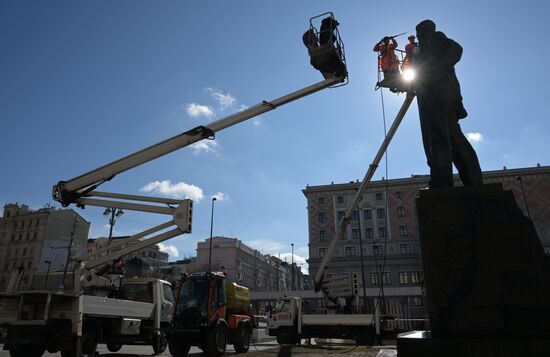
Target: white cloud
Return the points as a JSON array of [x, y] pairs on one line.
[[195, 110], [170, 249], [474, 137], [177, 190], [266, 246], [220, 196], [225, 100], [257, 122], [205, 146]]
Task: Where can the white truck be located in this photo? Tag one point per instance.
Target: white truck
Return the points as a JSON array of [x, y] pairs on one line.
[[85, 310], [37, 321], [290, 321]]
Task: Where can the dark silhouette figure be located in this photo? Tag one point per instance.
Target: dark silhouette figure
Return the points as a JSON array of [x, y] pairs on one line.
[[440, 107], [326, 33]]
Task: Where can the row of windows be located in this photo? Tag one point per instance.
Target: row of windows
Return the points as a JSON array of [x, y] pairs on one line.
[[23, 252], [369, 233], [377, 250], [16, 238], [22, 224], [405, 278], [14, 265], [379, 196], [367, 214]]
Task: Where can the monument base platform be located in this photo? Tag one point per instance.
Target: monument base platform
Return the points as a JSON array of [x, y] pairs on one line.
[[421, 343]]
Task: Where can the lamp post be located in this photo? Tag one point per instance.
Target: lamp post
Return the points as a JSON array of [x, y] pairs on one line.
[[69, 248], [114, 212], [524, 197], [47, 273], [292, 268], [211, 229]]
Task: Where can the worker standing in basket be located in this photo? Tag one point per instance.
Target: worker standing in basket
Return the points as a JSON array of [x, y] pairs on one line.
[[387, 60]]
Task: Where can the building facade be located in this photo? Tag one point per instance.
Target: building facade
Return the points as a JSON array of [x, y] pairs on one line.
[[247, 266], [38, 241], [383, 232]]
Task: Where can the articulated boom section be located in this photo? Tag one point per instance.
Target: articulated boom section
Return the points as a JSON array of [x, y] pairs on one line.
[[318, 281]]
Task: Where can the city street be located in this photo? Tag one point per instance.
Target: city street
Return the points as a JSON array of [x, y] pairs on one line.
[[264, 349], [138, 351]]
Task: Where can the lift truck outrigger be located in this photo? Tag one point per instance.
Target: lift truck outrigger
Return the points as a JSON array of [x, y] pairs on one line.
[[74, 320]]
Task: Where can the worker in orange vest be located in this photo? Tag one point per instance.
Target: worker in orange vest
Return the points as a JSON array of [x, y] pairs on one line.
[[387, 60], [409, 53]]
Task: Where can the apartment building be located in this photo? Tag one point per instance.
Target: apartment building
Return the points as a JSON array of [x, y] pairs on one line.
[[38, 240], [383, 232]]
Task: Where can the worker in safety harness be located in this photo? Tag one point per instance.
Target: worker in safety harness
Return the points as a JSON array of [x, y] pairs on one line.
[[387, 60], [410, 49], [440, 107]]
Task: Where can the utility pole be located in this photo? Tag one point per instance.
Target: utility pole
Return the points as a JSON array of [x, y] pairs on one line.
[[292, 268], [211, 230], [69, 248]]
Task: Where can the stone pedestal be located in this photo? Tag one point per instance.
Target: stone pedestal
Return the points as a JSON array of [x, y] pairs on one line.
[[486, 276]]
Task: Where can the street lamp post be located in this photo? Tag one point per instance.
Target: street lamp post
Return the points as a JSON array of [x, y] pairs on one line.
[[292, 268], [114, 213], [211, 230], [47, 273], [69, 248]]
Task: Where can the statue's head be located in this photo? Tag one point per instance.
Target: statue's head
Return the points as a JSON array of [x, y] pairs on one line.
[[424, 30]]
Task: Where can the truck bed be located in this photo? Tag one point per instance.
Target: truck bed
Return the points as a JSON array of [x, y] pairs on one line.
[[106, 307], [337, 319]]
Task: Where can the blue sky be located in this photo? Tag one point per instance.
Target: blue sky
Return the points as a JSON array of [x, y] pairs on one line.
[[83, 83]]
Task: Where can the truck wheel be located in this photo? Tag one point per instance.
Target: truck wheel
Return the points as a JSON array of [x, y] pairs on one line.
[[28, 351], [178, 349], [84, 346], [365, 338], [243, 339], [216, 341], [159, 343], [287, 336], [114, 347]]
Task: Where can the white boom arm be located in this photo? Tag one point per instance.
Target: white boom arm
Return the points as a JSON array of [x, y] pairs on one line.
[[67, 192], [81, 189], [318, 281]]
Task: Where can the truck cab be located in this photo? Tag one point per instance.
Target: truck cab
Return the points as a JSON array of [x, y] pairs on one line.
[[210, 313]]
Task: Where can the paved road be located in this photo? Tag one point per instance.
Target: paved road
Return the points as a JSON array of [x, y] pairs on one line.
[[139, 351]]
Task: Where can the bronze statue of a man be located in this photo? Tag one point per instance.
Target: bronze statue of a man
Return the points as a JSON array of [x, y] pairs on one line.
[[440, 108]]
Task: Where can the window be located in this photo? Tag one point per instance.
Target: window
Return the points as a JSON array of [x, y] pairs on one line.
[[378, 250], [368, 233], [403, 231], [416, 277], [340, 199], [168, 293], [382, 232], [31, 252], [321, 200], [355, 215], [415, 300], [356, 233], [341, 215], [400, 211], [16, 251], [367, 214], [403, 277], [29, 264], [34, 235], [24, 252], [345, 236], [379, 196], [29, 224], [322, 235], [27, 236], [398, 195], [380, 213], [405, 248], [350, 252], [322, 252], [375, 278], [322, 217]]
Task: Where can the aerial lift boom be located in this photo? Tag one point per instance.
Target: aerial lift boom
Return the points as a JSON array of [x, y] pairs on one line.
[[318, 280]]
